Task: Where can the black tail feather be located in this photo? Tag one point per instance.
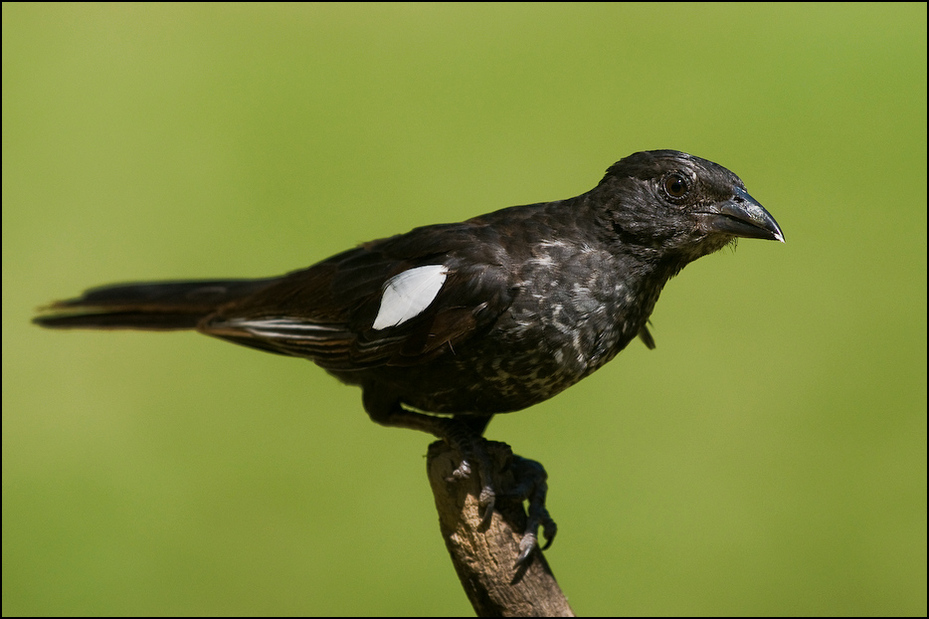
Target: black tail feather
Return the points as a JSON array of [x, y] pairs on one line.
[[158, 306]]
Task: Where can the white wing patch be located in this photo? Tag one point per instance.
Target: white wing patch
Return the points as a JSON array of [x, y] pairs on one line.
[[289, 328], [407, 294]]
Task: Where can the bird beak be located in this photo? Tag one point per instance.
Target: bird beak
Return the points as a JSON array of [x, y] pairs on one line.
[[742, 216]]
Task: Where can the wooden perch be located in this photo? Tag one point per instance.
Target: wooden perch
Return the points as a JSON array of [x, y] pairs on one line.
[[485, 558]]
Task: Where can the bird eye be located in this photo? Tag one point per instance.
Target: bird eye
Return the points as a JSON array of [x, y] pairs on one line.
[[675, 185]]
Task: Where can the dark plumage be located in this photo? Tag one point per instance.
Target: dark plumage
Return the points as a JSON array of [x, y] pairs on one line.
[[471, 319]]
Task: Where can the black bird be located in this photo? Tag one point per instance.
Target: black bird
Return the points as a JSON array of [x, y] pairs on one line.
[[467, 320]]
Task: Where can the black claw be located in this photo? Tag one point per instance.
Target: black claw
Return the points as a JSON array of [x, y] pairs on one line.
[[550, 529], [526, 545], [486, 502]]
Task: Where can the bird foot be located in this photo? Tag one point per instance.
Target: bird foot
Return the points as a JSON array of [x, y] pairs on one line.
[[520, 478], [475, 450], [532, 486]]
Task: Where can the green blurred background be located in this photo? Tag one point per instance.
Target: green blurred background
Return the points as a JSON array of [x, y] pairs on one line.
[[768, 458]]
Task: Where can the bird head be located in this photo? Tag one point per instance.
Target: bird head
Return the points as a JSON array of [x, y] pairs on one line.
[[678, 205]]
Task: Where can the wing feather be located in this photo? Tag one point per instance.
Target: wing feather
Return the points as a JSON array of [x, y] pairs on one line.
[[397, 301]]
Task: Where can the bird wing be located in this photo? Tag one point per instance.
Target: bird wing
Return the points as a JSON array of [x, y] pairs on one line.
[[398, 301]]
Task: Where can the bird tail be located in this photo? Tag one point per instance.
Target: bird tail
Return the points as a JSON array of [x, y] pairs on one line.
[[158, 306]]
